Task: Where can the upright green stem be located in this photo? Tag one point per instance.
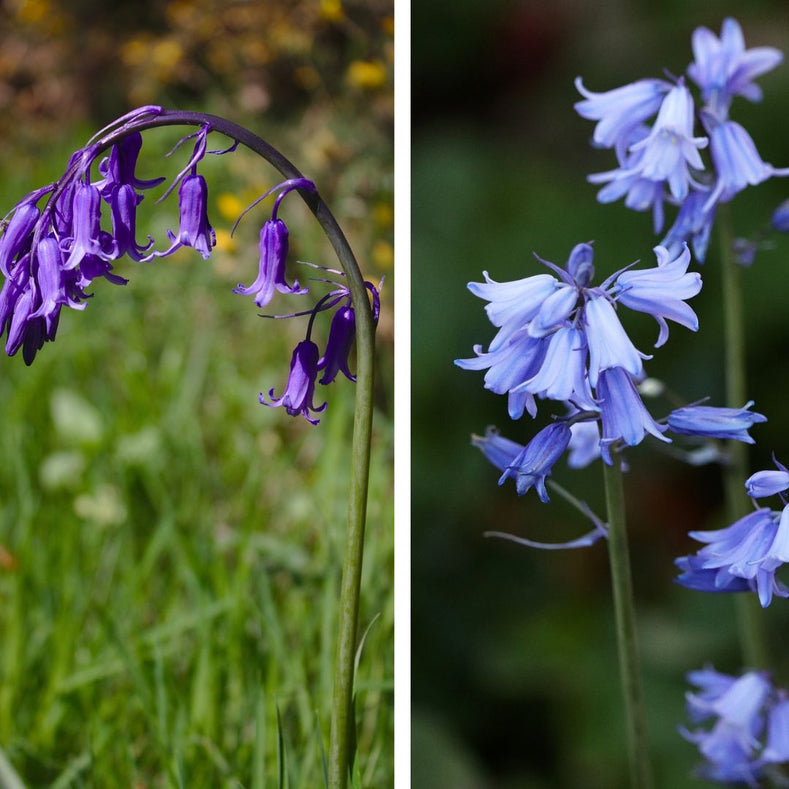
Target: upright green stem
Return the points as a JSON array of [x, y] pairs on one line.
[[624, 610], [341, 736], [753, 639]]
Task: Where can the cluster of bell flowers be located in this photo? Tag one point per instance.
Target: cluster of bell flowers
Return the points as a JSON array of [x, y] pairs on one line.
[[51, 254], [658, 131]]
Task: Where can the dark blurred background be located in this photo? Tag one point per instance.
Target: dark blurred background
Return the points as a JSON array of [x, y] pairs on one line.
[[514, 666]]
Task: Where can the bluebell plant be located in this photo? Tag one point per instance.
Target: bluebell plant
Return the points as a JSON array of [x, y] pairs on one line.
[[60, 238], [561, 339]]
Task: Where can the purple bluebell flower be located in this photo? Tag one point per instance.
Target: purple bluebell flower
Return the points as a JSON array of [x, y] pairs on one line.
[[195, 228], [661, 292], [18, 234], [123, 205], [620, 110], [118, 169], [533, 465], [723, 68], [712, 422], [51, 278], [752, 549], [271, 274], [768, 483], [342, 333], [623, 415], [297, 399], [88, 239], [737, 163]]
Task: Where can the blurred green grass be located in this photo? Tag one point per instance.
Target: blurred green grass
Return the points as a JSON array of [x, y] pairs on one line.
[[171, 549]]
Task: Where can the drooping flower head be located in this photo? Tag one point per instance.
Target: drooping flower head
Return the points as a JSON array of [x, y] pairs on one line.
[[651, 126], [560, 338]]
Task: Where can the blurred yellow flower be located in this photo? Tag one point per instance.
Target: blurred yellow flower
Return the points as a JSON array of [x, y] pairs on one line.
[[383, 255], [331, 10], [224, 241], [229, 206], [367, 74]]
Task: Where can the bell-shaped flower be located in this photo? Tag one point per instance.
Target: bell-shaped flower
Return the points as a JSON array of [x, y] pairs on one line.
[[513, 303], [723, 68], [619, 110], [768, 483], [299, 391], [87, 238], [661, 291], [509, 366], [623, 415], [342, 333], [533, 465], [195, 229], [123, 202], [609, 345], [562, 374], [713, 422], [17, 235], [776, 749], [670, 148], [584, 446], [271, 272], [693, 225], [52, 285], [751, 549], [640, 193], [737, 163], [118, 168]]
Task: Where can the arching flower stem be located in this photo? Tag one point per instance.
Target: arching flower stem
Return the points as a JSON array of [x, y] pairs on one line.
[[341, 736]]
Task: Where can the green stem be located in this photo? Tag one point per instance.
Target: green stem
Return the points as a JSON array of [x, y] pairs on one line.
[[753, 640], [342, 720], [624, 610]]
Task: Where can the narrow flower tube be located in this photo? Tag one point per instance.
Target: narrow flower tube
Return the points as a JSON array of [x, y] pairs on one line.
[[623, 414], [531, 467], [342, 333], [195, 229], [712, 422], [271, 273]]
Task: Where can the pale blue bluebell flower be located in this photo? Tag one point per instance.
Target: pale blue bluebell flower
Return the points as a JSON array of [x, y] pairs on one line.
[[620, 110], [767, 483], [723, 68], [746, 725], [623, 415], [640, 193], [776, 750], [693, 225], [670, 148], [737, 163], [534, 463], [752, 549], [661, 292], [584, 446], [736, 708], [714, 422]]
